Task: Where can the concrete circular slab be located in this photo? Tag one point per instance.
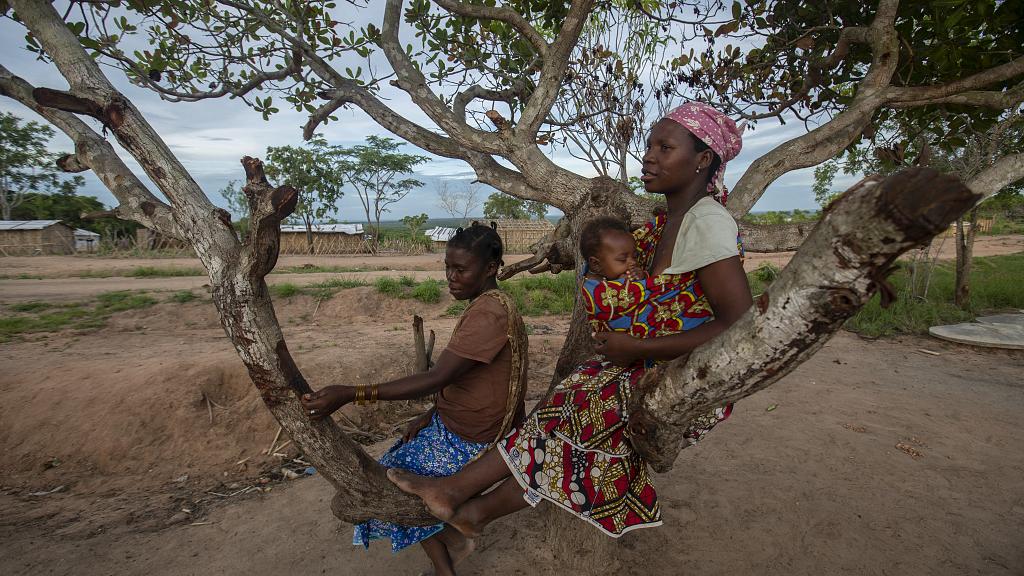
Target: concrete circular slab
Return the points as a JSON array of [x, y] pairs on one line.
[[999, 331]]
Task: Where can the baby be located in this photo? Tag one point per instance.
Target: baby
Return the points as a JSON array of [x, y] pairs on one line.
[[614, 288]]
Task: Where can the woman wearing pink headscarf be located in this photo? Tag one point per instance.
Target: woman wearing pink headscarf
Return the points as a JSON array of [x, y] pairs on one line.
[[574, 450]]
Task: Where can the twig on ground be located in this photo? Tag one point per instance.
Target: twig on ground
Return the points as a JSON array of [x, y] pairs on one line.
[[282, 446], [274, 443], [315, 310], [209, 408]]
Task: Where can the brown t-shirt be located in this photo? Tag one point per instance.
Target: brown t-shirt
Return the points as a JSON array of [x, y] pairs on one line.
[[475, 404]]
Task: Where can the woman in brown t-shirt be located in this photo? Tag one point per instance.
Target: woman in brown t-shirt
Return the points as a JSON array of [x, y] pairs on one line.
[[480, 381]]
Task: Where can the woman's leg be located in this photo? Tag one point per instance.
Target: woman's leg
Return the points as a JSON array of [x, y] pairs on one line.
[[438, 554], [471, 517], [443, 495]]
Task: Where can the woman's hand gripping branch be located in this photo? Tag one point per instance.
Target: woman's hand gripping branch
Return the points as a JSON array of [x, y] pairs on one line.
[[324, 402]]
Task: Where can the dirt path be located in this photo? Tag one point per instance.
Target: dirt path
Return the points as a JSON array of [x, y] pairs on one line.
[[59, 281], [872, 458]]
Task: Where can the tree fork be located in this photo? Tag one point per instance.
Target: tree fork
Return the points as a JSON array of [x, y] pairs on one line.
[[844, 261]]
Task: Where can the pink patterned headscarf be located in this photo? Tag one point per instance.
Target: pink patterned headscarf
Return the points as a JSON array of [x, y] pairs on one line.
[[717, 131]]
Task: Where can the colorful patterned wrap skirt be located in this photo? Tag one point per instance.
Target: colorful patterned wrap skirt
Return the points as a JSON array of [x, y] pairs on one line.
[[574, 450], [435, 451]]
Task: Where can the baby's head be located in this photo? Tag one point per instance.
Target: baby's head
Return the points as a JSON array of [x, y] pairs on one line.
[[608, 247]]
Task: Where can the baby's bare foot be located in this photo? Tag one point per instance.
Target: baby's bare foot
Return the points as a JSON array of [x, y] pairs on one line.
[[430, 490]]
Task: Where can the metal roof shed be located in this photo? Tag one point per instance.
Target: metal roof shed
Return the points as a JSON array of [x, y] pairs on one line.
[[35, 237]]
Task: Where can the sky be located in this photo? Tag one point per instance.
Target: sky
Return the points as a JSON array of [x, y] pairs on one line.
[[210, 138]]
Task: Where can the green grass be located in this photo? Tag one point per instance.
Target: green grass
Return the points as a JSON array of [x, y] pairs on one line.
[[22, 276], [284, 290], [31, 317], [32, 306], [456, 308], [996, 284], [163, 272], [123, 300], [316, 269], [543, 294], [321, 290], [182, 297], [427, 291]]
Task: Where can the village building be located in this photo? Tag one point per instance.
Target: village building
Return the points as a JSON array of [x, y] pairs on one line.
[[36, 237], [516, 235], [327, 239], [86, 240]]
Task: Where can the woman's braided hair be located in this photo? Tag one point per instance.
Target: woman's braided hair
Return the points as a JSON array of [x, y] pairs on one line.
[[480, 240]]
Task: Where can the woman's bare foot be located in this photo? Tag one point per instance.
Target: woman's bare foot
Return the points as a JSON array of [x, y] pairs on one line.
[[466, 521], [430, 490], [458, 546]]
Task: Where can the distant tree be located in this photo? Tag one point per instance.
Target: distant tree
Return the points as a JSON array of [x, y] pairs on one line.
[[315, 170], [25, 164], [458, 201], [500, 205], [375, 170], [238, 205], [414, 223]]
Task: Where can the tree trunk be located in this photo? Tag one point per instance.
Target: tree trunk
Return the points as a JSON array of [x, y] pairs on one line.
[[309, 235], [964, 254]]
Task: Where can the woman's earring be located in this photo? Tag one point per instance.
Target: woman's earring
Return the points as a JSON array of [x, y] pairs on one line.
[[698, 169]]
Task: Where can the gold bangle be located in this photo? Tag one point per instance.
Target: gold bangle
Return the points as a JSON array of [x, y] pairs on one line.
[[360, 394], [375, 392]]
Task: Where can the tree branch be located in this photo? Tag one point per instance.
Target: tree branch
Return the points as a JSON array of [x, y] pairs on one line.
[[1001, 73], [842, 264], [538, 107], [1002, 173], [827, 140], [93, 94], [462, 99], [92, 151], [412, 81], [502, 14]]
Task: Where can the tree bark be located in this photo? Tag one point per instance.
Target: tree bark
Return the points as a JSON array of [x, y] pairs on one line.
[[964, 255]]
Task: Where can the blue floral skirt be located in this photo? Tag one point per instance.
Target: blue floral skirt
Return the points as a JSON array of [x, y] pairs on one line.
[[435, 451]]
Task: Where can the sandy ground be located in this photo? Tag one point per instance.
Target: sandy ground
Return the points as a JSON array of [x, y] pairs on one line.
[[874, 457]]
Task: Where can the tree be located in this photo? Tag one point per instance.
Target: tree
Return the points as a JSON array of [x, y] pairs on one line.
[[469, 53], [314, 170], [414, 223], [500, 205], [25, 164], [375, 170], [238, 206], [458, 202]]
